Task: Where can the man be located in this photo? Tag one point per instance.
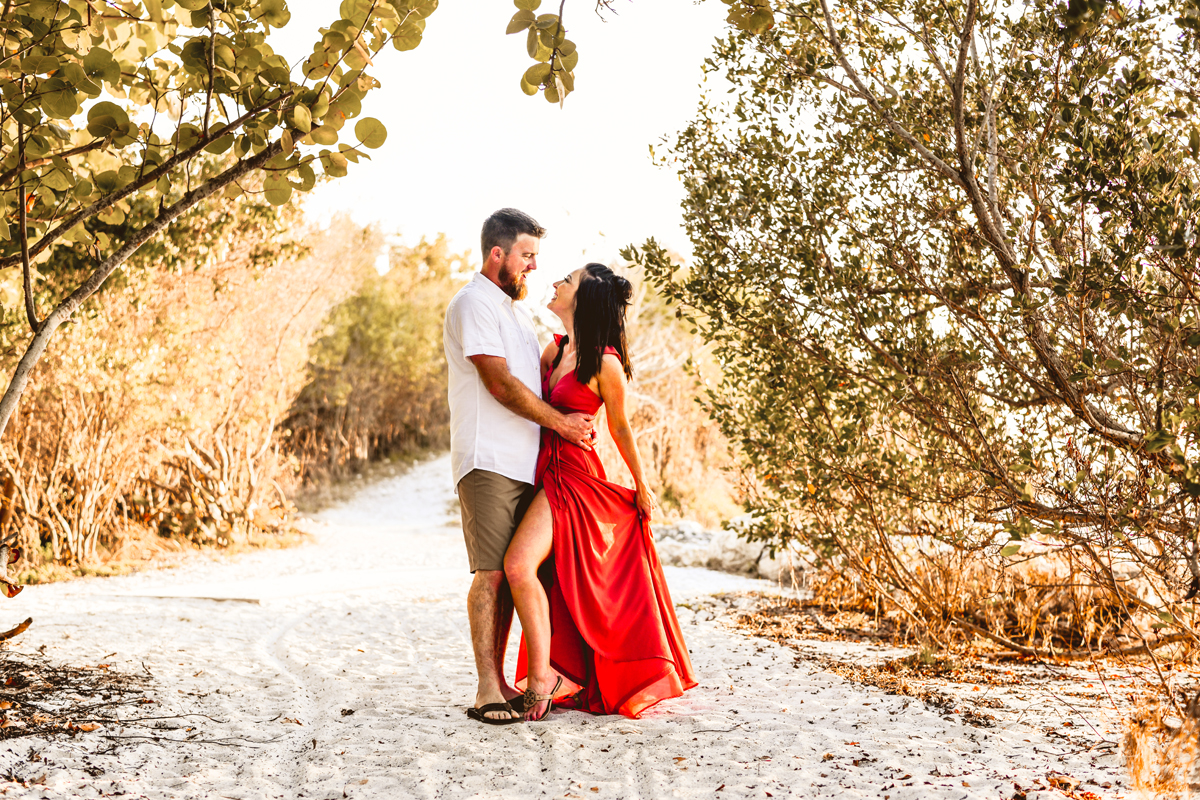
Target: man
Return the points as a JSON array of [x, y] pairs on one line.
[[496, 415]]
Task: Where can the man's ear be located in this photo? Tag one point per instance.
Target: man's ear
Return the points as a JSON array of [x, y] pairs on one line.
[[497, 254]]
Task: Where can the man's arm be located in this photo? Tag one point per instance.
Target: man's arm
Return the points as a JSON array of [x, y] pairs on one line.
[[517, 398]]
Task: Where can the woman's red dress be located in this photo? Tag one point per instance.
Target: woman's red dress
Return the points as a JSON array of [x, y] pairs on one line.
[[614, 631]]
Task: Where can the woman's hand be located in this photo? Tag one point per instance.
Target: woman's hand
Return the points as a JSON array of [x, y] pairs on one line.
[[647, 503]]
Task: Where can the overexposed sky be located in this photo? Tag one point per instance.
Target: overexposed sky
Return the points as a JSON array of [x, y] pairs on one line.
[[463, 140]]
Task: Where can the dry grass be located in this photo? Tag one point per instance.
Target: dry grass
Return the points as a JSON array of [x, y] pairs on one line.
[[1161, 750]]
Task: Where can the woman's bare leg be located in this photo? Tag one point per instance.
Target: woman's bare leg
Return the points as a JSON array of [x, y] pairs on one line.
[[530, 546]]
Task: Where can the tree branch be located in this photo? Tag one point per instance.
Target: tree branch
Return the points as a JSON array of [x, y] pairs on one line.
[[23, 224], [147, 179], [5, 177], [67, 307]]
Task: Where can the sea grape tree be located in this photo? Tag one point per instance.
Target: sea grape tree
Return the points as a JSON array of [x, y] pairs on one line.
[[118, 117], [947, 253]]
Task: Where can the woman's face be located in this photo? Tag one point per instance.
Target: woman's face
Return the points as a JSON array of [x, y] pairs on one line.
[[564, 292]]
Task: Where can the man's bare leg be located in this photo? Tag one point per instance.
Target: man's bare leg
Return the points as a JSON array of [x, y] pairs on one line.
[[486, 601], [504, 618]]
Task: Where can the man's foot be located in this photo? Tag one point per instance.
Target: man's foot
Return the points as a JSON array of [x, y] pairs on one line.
[[499, 714]]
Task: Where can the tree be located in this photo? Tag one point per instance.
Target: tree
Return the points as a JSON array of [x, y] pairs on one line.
[[377, 377], [125, 111], [946, 252]]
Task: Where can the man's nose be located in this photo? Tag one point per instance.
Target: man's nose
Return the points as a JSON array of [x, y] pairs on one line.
[[533, 263]]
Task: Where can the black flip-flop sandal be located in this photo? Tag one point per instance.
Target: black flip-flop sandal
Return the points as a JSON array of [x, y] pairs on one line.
[[532, 698], [477, 714]]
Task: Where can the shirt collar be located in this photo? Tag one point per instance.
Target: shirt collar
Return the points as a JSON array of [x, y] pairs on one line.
[[492, 290]]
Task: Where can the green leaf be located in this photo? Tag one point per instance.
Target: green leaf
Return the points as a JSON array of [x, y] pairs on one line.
[[58, 100], [370, 132], [569, 60], [274, 12], [39, 65], [527, 87], [308, 178], [536, 74], [278, 193], [1158, 440], [301, 118], [99, 65], [106, 119], [325, 135], [520, 21], [424, 8], [527, 5], [1010, 550], [220, 145], [408, 35]]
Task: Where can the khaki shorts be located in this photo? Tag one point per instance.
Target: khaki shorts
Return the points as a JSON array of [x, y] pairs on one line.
[[492, 505]]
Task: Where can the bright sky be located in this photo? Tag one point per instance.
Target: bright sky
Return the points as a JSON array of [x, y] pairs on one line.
[[463, 140]]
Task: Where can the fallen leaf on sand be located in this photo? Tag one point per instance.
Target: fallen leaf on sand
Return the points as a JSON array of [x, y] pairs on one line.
[[88, 727], [1064, 782], [291, 721]]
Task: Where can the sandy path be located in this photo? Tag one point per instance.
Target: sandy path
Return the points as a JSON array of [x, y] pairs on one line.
[[341, 669]]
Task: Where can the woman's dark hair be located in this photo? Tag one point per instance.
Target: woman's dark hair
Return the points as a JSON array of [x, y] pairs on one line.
[[600, 302]]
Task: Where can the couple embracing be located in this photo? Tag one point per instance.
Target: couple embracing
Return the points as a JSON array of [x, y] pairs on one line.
[[545, 530]]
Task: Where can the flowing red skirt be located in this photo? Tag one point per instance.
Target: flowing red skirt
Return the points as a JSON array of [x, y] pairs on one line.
[[614, 631]]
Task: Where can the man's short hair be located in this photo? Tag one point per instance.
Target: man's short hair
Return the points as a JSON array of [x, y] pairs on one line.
[[503, 227]]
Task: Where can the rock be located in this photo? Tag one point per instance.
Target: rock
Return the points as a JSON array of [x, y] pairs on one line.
[[729, 553]]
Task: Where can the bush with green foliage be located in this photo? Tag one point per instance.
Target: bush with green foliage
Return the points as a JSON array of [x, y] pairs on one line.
[[947, 255], [377, 377]]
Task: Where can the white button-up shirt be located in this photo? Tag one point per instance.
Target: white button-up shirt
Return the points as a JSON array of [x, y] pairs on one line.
[[483, 320]]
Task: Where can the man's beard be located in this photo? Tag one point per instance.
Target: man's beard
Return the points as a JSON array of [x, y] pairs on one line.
[[513, 286]]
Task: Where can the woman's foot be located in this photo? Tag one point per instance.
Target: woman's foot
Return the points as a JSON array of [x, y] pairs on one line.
[[539, 698]]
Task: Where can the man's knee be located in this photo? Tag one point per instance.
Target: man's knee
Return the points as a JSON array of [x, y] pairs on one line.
[[487, 581]]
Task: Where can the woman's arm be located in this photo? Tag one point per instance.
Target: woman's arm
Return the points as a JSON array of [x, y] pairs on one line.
[[612, 392]]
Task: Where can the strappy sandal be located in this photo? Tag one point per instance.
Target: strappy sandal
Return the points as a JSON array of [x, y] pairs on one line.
[[480, 714], [532, 698]]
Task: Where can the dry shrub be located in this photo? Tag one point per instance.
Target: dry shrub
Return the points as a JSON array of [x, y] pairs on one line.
[[1161, 750], [154, 414], [946, 596], [685, 457]]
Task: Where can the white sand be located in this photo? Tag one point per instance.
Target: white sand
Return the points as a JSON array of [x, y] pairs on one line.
[[371, 619]]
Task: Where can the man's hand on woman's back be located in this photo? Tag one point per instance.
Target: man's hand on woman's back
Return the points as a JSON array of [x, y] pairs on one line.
[[577, 428]]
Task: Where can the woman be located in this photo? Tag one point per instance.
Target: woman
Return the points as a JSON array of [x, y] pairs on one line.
[[598, 625]]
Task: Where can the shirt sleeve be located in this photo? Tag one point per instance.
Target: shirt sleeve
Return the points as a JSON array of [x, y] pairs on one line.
[[479, 328]]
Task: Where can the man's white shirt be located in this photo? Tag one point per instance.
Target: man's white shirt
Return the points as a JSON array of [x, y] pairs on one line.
[[483, 320]]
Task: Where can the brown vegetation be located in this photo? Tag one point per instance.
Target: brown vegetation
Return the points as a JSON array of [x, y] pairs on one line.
[[153, 419]]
